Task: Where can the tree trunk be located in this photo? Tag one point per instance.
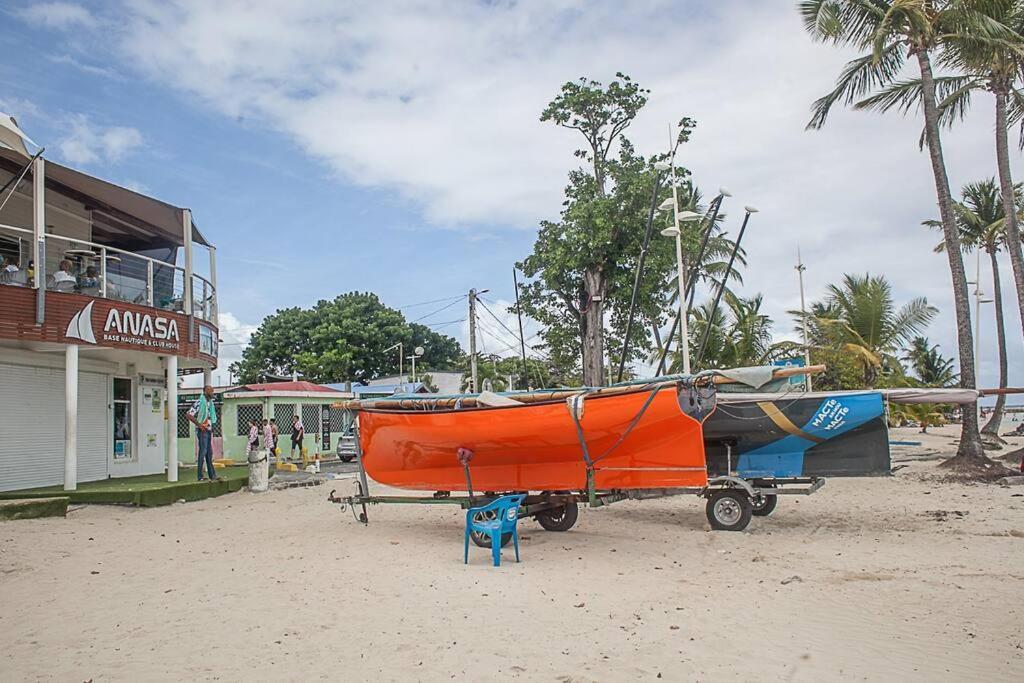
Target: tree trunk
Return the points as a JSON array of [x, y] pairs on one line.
[[593, 330], [1013, 244], [994, 422], [970, 452]]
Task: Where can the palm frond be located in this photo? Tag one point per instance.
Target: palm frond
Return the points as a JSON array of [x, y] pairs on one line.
[[858, 78]]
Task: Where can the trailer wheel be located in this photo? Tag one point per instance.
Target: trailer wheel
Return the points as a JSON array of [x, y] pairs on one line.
[[483, 540], [347, 458], [729, 510], [559, 519], [764, 504]]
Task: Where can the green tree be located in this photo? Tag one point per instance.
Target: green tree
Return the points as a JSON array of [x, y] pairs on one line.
[[498, 370], [859, 319], [982, 225], [891, 32], [992, 65], [582, 265], [928, 364], [741, 335], [339, 340]]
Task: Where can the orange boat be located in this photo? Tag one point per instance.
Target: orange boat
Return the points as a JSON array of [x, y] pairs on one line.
[[633, 438]]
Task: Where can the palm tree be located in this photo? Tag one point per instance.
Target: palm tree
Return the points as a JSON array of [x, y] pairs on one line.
[[930, 366], [892, 31], [741, 334], [859, 318], [993, 66], [983, 225]]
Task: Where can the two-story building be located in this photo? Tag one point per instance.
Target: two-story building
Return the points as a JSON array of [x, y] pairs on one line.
[[107, 296]]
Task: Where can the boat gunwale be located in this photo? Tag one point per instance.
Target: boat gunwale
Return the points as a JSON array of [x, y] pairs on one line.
[[590, 396]]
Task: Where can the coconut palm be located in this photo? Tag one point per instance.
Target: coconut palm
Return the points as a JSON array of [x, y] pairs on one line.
[[859, 318], [741, 334], [927, 362], [891, 32], [982, 225], [993, 66]]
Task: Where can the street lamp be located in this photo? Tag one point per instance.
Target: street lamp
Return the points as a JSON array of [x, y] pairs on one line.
[[674, 231], [416, 353], [400, 355]]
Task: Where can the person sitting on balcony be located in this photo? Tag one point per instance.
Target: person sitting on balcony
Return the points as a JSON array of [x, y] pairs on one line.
[[64, 273], [91, 279], [11, 265]]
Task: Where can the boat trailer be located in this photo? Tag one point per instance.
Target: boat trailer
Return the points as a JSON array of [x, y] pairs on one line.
[[731, 500]]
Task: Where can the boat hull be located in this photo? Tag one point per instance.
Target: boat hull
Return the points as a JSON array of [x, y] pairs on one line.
[[839, 434], [536, 447]]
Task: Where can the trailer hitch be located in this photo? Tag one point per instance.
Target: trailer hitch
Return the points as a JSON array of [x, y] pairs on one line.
[[351, 501]]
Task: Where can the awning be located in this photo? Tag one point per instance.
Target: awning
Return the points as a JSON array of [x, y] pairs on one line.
[[12, 137], [120, 204]]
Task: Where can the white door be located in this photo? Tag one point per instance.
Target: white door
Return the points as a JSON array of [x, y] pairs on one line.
[[32, 414], [150, 426]]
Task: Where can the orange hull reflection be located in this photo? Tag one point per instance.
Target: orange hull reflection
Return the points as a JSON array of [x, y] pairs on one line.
[[536, 447]]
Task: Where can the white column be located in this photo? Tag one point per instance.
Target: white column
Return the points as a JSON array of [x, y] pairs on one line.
[[207, 377], [38, 219], [171, 442], [70, 417], [186, 220], [213, 281]]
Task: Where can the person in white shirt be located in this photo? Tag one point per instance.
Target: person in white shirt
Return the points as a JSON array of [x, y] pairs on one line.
[[64, 274], [11, 265]]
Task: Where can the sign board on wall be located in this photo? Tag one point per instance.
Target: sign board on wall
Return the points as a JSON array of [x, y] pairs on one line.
[[110, 323], [325, 427]]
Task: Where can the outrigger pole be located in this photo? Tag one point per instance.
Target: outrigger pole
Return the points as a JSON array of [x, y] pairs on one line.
[[691, 278], [640, 264], [721, 287], [522, 339]]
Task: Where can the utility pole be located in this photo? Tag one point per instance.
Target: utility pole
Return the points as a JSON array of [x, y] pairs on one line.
[[472, 341], [800, 268]]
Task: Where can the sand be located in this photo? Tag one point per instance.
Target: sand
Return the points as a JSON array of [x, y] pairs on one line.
[[899, 578]]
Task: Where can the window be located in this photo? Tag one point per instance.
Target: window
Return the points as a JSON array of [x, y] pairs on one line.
[[246, 413], [340, 422], [184, 426], [207, 341], [311, 418], [283, 414], [123, 420]]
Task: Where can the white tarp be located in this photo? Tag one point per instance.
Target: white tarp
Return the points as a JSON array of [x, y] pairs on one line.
[[927, 395], [13, 137]]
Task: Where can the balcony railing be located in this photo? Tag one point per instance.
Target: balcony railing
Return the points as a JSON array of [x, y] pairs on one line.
[[97, 270]]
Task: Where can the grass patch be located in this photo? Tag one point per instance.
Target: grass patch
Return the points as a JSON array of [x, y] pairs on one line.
[[146, 491]]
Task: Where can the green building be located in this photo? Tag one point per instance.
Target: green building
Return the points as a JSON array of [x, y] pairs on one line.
[[280, 401]]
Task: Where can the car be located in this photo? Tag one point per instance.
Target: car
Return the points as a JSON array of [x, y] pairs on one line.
[[346, 449]]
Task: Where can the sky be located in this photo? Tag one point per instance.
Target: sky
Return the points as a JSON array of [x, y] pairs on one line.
[[396, 147]]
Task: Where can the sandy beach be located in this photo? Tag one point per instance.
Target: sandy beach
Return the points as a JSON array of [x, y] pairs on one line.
[[905, 577]]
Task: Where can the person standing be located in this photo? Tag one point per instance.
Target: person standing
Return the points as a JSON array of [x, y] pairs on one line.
[[203, 414], [254, 439], [268, 437], [275, 431], [298, 431]]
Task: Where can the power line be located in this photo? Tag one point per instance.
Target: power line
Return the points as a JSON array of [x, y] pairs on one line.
[[450, 322], [514, 335], [423, 317], [432, 301]]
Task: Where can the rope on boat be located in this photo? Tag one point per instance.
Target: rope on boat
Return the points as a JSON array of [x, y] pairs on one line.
[[622, 437]]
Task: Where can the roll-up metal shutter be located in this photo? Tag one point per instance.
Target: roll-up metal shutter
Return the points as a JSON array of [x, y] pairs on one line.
[[32, 415], [94, 420], [32, 411]]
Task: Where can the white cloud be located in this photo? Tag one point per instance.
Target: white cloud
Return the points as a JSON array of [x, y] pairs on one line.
[[440, 102], [58, 15], [88, 143]]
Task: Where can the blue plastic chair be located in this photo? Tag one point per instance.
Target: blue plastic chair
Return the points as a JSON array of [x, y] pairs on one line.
[[502, 518]]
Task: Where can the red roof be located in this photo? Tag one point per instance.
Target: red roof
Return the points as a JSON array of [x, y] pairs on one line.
[[290, 386]]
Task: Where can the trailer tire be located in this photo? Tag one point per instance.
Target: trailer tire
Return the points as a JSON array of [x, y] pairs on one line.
[[559, 519], [729, 510], [764, 504], [346, 458], [483, 540]]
